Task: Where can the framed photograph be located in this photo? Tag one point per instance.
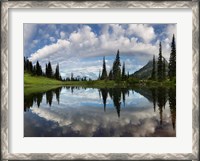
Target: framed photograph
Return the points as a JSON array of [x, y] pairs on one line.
[[99, 80]]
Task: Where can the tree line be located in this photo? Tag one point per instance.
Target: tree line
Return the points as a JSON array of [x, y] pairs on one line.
[[37, 69], [115, 73], [160, 74]]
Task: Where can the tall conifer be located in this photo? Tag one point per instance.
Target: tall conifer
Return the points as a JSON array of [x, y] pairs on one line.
[[160, 64], [104, 72], [123, 72], [116, 68], [172, 60], [153, 74]]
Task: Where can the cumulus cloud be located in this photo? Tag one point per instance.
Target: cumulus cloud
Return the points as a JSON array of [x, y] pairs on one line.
[[143, 31], [139, 41], [48, 50], [84, 42]]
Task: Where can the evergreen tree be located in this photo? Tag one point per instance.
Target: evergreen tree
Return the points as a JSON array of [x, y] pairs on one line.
[[27, 65], [72, 77], [30, 67], [153, 74], [24, 63], [160, 64], [110, 75], [38, 69], [164, 69], [50, 71], [60, 78], [46, 70], [57, 73], [172, 60], [123, 72], [116, 68], [99, 75], [34, 70], [104, 72]]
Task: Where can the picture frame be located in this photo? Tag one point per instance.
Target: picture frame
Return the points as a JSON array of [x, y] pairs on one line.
[[6, 5]]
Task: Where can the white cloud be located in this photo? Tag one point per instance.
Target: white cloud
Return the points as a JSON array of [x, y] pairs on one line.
[[143, 31], [166, 42], [170, 30], [84, 37], [62, 35], [85, 43], [29, 32], [48, 50], [52, 39]]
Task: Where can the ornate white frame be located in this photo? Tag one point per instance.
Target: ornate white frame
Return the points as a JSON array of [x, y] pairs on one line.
[[98, 4]]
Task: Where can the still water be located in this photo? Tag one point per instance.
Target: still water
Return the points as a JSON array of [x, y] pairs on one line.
[[92, 112]]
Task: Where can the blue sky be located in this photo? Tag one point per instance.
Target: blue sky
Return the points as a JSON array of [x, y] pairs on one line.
[[80, 48]]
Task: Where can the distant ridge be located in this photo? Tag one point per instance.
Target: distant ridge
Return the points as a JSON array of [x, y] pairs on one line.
[[145, 71]]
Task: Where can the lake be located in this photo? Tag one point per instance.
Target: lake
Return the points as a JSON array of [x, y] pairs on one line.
[[107, 112]]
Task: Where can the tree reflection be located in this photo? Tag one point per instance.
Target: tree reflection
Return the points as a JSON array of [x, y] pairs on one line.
[[115, 94], [172, 105], [117, 100], [104, 93], [57, 92], [28, 102], [39, 98], [158, 97], [161, 101], [32, 98], [153, 92], [49, 97]]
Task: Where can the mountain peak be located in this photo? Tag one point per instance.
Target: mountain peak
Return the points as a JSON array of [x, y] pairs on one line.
[[145, 71]]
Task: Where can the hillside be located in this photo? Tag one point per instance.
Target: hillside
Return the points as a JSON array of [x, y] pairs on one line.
[[39, 80], [145, 71]]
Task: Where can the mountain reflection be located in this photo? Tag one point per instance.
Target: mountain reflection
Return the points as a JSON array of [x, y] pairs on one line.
[[157, 96]]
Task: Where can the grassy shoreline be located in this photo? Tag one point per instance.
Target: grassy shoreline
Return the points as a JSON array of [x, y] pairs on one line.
[[43, 83]]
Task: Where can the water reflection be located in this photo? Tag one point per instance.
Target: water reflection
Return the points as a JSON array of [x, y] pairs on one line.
[[112, 98], [172, 105]]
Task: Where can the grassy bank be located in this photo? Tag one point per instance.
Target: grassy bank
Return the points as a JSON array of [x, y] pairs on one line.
[[35, 84], [39, 80], [43, 83]]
